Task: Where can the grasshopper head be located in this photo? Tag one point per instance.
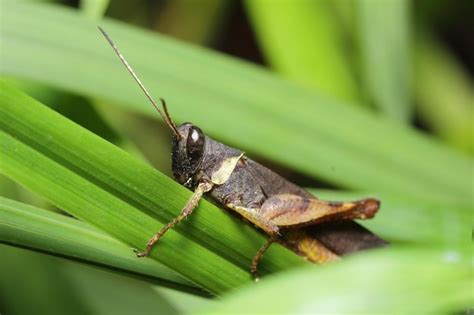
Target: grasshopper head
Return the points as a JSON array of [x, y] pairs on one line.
[[188, 140], [188, 150]]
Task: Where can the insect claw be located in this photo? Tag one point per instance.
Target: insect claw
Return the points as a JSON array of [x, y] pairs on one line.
[[139, 253], [254, 272]]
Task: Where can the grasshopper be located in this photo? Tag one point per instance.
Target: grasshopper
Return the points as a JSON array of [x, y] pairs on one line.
[[281, 209]]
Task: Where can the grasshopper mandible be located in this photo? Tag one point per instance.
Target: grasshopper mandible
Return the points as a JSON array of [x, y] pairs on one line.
[[281, 209]]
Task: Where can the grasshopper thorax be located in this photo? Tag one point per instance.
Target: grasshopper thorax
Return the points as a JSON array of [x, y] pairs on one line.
[[187, 153]]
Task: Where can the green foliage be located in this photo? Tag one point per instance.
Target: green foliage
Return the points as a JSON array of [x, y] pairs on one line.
[[46, 231], [318, 138], [32, 283], [324, 58], [445, 93], [94, 8], [103, 185], [365, 284], [383, 42], [24, 291], [425, 186], [315, 58]]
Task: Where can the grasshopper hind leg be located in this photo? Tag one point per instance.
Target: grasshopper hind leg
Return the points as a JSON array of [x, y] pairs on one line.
[[256, 259]]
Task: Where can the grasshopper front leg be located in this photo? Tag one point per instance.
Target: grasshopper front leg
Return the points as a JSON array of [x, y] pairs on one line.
[[192, 203]]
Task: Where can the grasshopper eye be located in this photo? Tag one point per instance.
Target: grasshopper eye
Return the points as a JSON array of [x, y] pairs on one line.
[[195, 144]]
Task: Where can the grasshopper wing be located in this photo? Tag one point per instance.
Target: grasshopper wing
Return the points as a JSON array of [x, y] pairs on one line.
[[287, 210]]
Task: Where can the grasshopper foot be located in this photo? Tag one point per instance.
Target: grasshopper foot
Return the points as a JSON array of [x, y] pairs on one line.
[[255, 274], [140, 254]]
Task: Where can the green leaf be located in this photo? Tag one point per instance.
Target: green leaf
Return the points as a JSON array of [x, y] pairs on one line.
[[76, 108], [103, 185], [74, 288], [238, 103], [109, 293], [383, 38], [444, 93], [33, 284], [94, 9], [434, 281], [193, 21], [46, 231], [387, 160], [304, 42]]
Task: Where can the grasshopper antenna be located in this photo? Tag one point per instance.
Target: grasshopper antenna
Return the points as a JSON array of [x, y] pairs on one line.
[[166, 116]]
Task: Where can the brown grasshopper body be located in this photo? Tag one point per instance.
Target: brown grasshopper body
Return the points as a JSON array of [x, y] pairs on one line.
[[269, 201], [320, 231]]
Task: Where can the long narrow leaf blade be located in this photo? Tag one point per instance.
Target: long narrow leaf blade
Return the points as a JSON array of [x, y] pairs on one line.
[[46, 231], [303, 41], [103, 185], [239, 103], [36, 284], [383, 38], [365, 285], [444, 92]]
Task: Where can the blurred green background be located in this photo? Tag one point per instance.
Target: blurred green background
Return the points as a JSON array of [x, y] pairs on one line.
[[348, 98]]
